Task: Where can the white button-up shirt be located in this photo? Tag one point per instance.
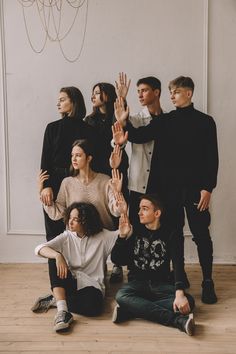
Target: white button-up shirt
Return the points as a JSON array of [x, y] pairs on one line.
[[141, 156], [86, 257]]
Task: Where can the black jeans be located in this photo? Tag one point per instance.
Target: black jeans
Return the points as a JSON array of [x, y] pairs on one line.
[[178, 199], [150, 300], [87, 301], [53, 228]]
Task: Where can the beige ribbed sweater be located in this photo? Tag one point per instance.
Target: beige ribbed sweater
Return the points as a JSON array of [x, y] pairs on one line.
[[98, 192]]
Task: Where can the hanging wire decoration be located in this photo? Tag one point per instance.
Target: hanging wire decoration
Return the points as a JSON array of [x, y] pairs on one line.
[[50, 15]]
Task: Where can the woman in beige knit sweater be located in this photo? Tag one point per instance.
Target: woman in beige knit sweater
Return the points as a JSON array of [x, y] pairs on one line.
[[88, 186]]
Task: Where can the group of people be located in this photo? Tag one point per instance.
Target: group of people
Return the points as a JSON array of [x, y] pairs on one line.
[[137, 217]]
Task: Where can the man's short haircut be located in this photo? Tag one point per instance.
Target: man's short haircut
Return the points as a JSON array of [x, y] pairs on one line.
[[182, 81], [151, 81], [89, 217], [155, 200]]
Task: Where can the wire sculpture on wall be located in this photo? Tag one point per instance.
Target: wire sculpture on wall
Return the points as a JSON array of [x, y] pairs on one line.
[[50, 15]]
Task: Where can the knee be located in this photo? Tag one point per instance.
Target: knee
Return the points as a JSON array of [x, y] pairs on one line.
[[123, 295], [119, 296], [200, 225], [202, 238], [191, 301]]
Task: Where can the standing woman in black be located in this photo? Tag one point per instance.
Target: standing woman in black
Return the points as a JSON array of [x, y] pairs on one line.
[[56, 153], [102, 118]]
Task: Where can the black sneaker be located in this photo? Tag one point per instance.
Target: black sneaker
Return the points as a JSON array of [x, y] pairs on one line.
[[116, 274], [44, 303], [185, 324], [62, 321], [120, 315], [208, 292]]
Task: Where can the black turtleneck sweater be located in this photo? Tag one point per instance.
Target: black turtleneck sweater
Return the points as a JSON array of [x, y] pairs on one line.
[[102, 125], [57, 145], [186, 152]]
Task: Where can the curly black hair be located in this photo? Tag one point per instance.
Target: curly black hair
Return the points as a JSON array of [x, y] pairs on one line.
[[88, 217]]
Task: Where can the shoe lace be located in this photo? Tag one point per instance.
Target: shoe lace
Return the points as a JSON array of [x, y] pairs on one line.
[[61, 316]]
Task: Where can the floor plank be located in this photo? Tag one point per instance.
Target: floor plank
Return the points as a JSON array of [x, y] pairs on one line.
[[22, 331]]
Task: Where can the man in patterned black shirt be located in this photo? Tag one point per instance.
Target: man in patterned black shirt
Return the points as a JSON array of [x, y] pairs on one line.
[[148, 252]]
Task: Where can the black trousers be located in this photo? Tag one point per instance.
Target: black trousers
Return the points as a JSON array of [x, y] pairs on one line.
[[53, 228], [87, 301], [177, 200]]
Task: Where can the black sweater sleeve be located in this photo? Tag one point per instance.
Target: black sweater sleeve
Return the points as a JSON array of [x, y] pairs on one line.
[[144, 134], [211, 157], [122, 252], [46, 158]]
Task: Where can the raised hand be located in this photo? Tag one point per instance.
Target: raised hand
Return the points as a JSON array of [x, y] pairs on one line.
[[124, 226], [122, 85], [119, 136], [46, 194], [121, 113], [116, 180], [115, 158], [43, 176], [121, 205]]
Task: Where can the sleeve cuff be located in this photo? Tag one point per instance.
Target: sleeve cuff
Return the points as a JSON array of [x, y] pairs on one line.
[[113, 144], [38, 248], [179, 285]]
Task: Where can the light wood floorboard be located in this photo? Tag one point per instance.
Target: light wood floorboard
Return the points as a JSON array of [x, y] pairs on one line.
[[22, 331]]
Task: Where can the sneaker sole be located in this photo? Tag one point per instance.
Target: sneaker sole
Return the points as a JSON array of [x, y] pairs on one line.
[[62, 326], [114, 315], [35, 307], [190, 325]]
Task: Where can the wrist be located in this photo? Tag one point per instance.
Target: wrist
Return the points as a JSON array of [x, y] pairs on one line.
[[179, 293], [113, 144], [58, 255]]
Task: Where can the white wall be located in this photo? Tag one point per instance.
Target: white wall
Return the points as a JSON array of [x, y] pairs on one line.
[[222, 105], [164, 38]]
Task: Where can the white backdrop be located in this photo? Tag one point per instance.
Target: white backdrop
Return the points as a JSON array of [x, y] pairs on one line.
[[164, 38]]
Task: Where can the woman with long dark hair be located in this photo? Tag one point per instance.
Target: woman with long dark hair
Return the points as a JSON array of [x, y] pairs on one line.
[[102, 118], [58, 139], [86, 185]]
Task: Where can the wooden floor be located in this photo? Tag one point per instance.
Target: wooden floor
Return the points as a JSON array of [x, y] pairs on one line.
[[22, 331]]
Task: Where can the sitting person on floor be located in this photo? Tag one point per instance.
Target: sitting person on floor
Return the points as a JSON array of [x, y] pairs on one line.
[[147, 253], [77, 259]]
